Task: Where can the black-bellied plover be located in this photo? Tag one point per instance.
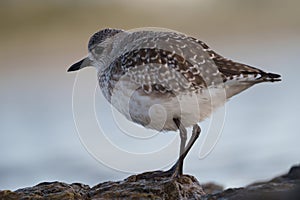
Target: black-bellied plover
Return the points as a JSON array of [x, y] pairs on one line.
[[182, 75]]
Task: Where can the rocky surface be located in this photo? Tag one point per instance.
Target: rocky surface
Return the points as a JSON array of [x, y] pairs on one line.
[[280, 188], [143, 187]]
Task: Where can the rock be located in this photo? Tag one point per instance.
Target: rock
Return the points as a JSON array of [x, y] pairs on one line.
[[212, 188], [138, 187], [150, 186], [280, 188], [48, 190], [134, 187]]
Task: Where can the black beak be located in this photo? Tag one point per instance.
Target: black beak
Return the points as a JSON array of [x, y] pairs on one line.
[[80, 64]]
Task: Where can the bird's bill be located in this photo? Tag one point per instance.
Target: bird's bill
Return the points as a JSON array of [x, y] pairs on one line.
[[80, 64]]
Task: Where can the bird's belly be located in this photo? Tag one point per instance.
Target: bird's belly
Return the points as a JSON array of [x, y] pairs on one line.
[[157, 110]]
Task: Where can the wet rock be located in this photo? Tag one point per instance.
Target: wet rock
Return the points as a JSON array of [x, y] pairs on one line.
[[134, 187], [150, 186], [48, 190], [139, 187], [212, 188], [280, 188]]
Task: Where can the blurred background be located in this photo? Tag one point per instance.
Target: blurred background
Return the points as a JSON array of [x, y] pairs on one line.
[[40, 39]]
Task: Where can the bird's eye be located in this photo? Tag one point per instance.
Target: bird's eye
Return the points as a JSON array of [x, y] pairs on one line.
[[98, 50]]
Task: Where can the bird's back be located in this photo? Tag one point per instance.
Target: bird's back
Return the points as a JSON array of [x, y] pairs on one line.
[[173, 62]]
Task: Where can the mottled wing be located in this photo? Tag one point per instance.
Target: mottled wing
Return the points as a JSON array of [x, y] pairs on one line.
[[237, 71], [168, 62], [171, 62], [161, 70], [158, 70]]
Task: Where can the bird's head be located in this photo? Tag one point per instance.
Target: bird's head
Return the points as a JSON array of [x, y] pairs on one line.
[[99, 47]]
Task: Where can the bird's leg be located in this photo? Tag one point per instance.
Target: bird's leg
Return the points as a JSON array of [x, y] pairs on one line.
[[177, 168], [183, 137], [195, 135]]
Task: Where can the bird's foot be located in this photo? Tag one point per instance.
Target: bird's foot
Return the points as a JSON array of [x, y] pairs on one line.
[[173, 172]]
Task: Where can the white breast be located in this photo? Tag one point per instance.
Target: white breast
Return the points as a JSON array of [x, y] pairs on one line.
[[157, 110]]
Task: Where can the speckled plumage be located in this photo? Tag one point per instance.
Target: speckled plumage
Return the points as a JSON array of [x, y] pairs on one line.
[[141, 68]]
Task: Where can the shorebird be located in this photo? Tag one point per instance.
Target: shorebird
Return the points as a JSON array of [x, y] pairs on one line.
[[188, 80]]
